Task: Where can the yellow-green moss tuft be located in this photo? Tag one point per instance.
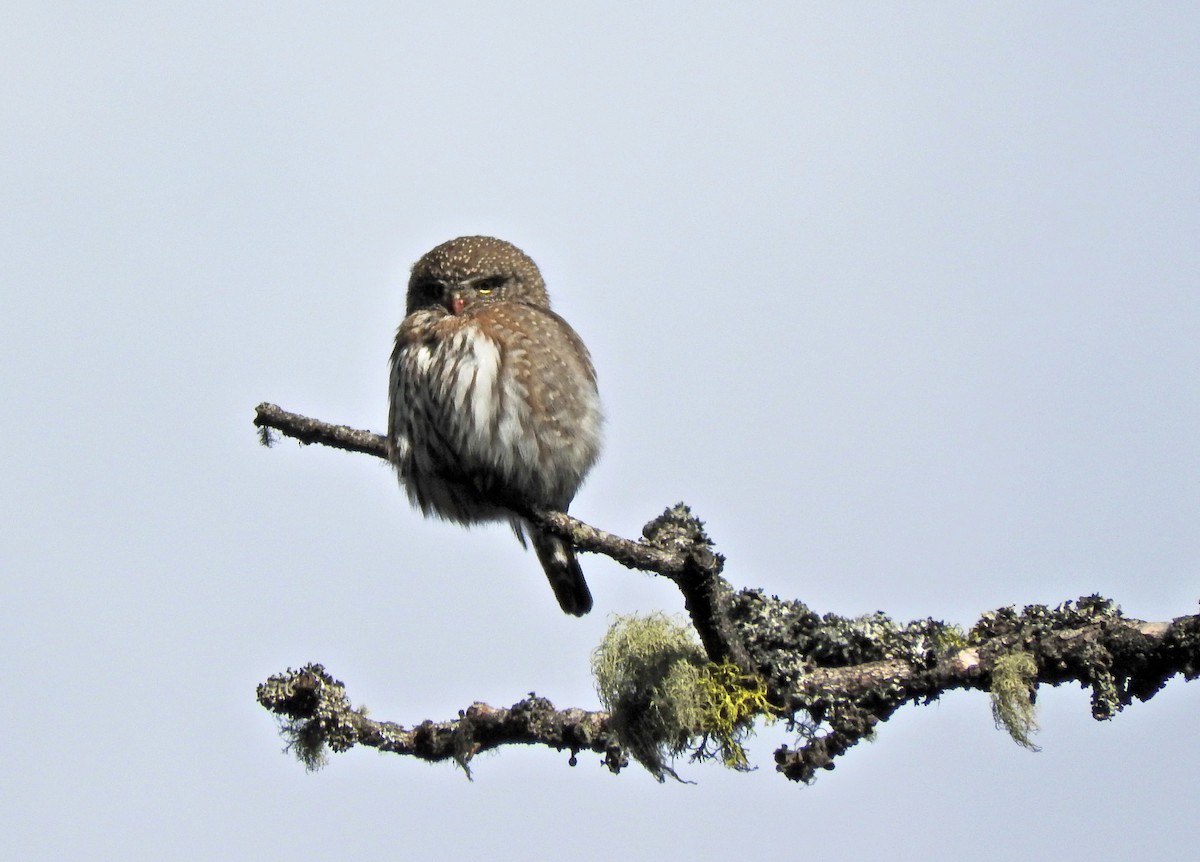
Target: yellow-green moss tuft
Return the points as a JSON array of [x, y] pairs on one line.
[[666, 698], [1013, 709], [730, 701]]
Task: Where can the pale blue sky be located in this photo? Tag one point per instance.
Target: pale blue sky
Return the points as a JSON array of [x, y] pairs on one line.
[[902, 299]]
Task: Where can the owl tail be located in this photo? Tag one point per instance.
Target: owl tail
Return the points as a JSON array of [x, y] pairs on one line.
[[566, 578]]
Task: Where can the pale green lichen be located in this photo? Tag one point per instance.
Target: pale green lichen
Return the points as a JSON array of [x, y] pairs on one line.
[[1036, 620], [1012, 692], [665, 698], [314, 715], [787, 640], [949, 638]]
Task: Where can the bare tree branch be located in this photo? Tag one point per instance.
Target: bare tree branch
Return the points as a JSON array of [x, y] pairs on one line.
[[632, 555], [271, 416], [835, 679], [675, 544]]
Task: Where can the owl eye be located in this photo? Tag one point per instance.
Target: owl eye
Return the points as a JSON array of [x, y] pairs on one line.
[[429, 289], [486, 285]]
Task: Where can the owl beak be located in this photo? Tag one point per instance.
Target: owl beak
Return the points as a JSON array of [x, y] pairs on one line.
[[455, 302]]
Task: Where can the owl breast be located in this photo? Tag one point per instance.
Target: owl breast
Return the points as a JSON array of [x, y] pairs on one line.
[[482, 416]]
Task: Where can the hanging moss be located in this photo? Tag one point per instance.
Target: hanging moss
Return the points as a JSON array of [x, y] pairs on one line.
[[1012, 696], [665, 697]]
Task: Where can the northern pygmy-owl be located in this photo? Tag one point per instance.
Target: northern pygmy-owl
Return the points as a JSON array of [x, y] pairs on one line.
[[493, 401]]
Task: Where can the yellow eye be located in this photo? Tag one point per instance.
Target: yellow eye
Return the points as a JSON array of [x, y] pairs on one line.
[[487, 285]]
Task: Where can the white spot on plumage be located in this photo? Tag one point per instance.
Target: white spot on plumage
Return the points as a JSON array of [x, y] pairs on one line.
[[460, 375], [421, 357], [483, 383]]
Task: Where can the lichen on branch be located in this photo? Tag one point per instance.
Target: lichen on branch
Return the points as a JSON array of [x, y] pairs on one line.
[[833, 679], [666, 698]]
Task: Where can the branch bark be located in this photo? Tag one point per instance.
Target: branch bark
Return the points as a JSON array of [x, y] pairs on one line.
[[834, 679], [316, 715], [674, 545]]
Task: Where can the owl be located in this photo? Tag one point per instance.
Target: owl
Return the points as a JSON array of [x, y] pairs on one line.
[[493, 401]]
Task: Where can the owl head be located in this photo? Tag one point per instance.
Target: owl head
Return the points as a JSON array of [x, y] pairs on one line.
[[464, 272]]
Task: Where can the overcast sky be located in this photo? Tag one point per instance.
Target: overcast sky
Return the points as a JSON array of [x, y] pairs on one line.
[[901, 298]]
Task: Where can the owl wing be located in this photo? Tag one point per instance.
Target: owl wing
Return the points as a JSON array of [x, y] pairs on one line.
[[548, 399]]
